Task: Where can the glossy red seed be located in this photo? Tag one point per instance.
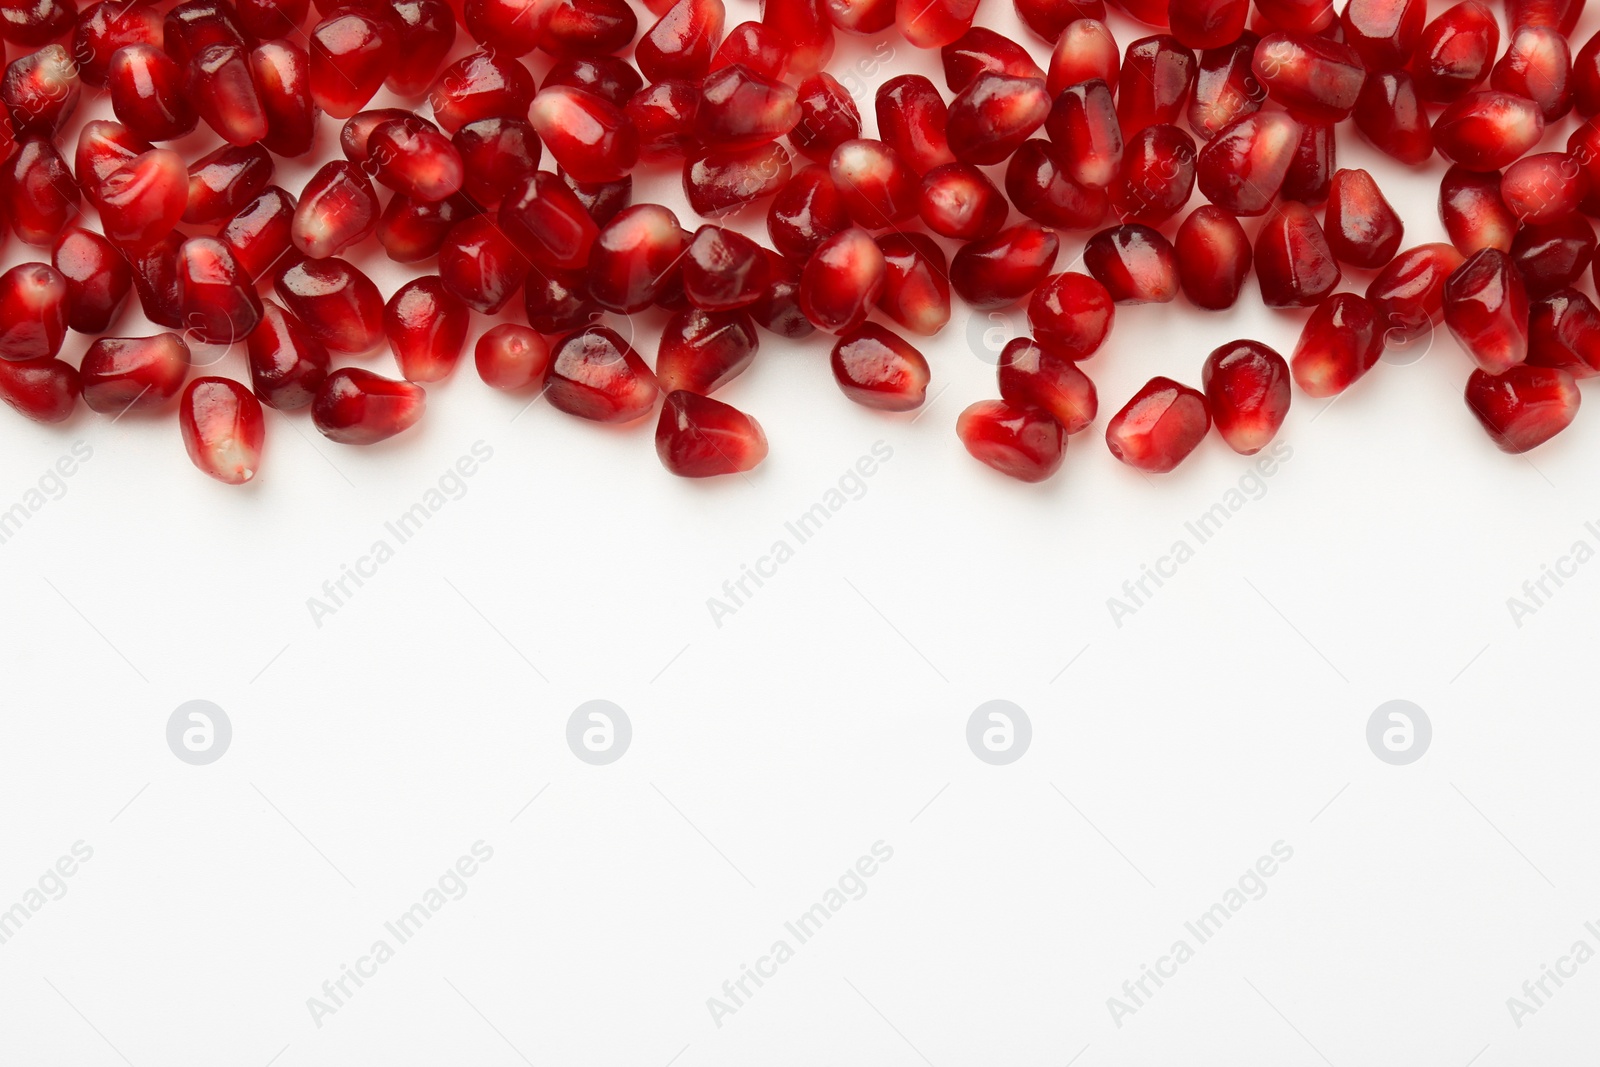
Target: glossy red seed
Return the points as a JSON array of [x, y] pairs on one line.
[[1019, 442], [1297, 16], [958, 200], [595, 374], [1149, 12], [1311, 173], [1317, 79], [1564, 332], [1032, 375], [33, 312], [1214, 257], [589, 137], [548, 222], [1135, 263], [1005, 268], [1153, 85], [757, 46], [351, 54], [98, 278], [483, 85], [225, 94], [1524, 407], [1157, 175], [149, 93], [828, 118], [1537, 65], [414, 159], [682, 42], [587, 27], [337, 209], [121, 374], [1294, 265], [723, 269], [1486, 308], [1408, 294], [1225, 87], [1159, 427], [1050, 19], [39, 192], [843, 280], [480, 265], [1487, 130], [989, 119], [1083, 124], [1586, 78], [701, 351], [805, 26], [1339, 343], [1384, 33], [258, 233], [410, 230], [287, 363], [634, 257], [104, 148], [698, 437], [934, 23], [879, 369], [105, 27], [266, 19], [1390, 115], [496, 154], [861, 16], [663, 116], [336, 301], [916, 292], [155, 279], [1071, 315], [1242, 168], [739, 108], [1084, 51], [195, 24], [44, 390], [601, 200], [357, 407], [41, 90], [1559, 15], [806, 212], [1207, 23], [33, 22], [426, 328], [1363, 229], [223, 429], [779, 310], [1543, 187], [980, 50], [1455, 51], [1247, 394], [911, 120], [611, 78], [512, 27], [223, 181], [877, 185], [1039, 187], [1553, 255], [1473, 213], [216, 298], [140, 202], [726, 180], [512, 358], [282, 72]]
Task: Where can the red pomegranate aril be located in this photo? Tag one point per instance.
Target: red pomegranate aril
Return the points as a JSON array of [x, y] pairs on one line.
[[596, 375], [426, 328], [1157, 429], [590, 138], [217, 299], [33, 312], [934, 23], [514, 27], [828, 118], [1084, 51], [287, 363], [1537, 65], [1472, 212], [44, 390], [1242, 168], [282, 72], [121, 374], [861, 16], [1003, 269], [1455, 51], [701, 351], [1310, 175], [225, 94], [1294, 265], [103, 28], [149, 93], [916, 292], [357, 407], [140, 202], [912, 117], [548, 222], [1135, 263], [1225, 87], [959, 201], [698, 437], [1037, 183], [1390, 115], [723, 269], [723, 181], [807, 211], [483, 85], [1339, 343], [739, 108], [410, 230], [587, 27], [759, 47], [39, 192], [335, 301], [1559, 15], [223, 181], [351, 53], [33, 22], [1050, 19], [989, 119], [1071, 315], [1552, 255], [979, 51], [843, 280], [223, 429], [1149, 12], [1297, 16], [1317, 79], [1214, 257], [1384, 33], [878, 187], [557, 301], [155, 280], [1157, 175], [1153, 85], [1486, 308], [1019, 442], [1487, 130], [267, 19], [663, 116], [1207, 23], [634, 257], [480, 265], [1034, 376], [258, 234], [806, 29], [1564, 332], [779, 310], [1361, 226], [1585, 78], [1544, 187], [98, 278], [1247, 394], [337, 209], [1083, 124], [878, 368], [611, 78], [602, 201], [414, 159], [1583, 145], [192, 26], [1523, 407], [1408, 294], [496, 154], [682, 42], [41, 91], [512, 358]]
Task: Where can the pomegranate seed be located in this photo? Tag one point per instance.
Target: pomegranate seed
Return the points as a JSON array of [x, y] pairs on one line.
[[104, 28], [1135, 263], [337, 209], [1213, 256], [1310, 175], [223, 181], [1003, 269], [33, 312], [1362, 227], [1560, 15], [1473, 213], [480, 265], [217, 299], [1071, 315], [41, 91], [155, 279], [1537, 65], [1408, 294], [1039, 187], [778, 309], [878, 368], [611, 78], [726, 180], [861, 16], [807, 211], [149, 94], [602, 201], [1084, 51], [496, 155], [282, 71], [1153, 85], [1552, 255], [701, 351], [1225, 87], [1159, 427], [192, 26], [44, 390], [828, 117], [266, 19], [337, 302], [739, 108], [878, 187], [1157, 175], [1455, 52], [223, 429], [958, 200], [1390, 116], [357, 407], [1207, 23], [1150, 12], [1486, 307], [663, 115], [1083, 123], [1294, 265], [39, 191], [34, 22], [548, 222], [225, 94], [723, 269], [351, 53], [1242, 168], [634, 257], [483, 85], [98, 278], [558, 301], [698, 437], [1297, 16], [515, 27], [1543, 187], [1032, 376], [1384, 33], [595, 374], [916, 292], [1019, 442], [258, 233], [590, 138], [133, 373], [587, 27], [141, 202], [1339, 343], [427, 329], [989, 119], [414, 159], [682, 42], [1523, 407], [805, 28], [1050, 19], [1247, 394], [1586, 78], [1564, 332], [410, 230], [979, 51], [1487, 130], [1315, 78], [758, 47], [1584, 147], [842, 281], [911, 121], [287, 363], [934, 23], [512, 358]]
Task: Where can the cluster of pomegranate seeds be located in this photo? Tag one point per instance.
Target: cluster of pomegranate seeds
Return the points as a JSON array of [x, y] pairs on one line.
[[1107, 142]]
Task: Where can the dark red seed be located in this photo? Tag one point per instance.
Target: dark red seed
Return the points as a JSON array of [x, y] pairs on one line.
[[1083, 124], [414, 159], [1225, 87], [1005, 268], [1543, 187], [725, 180], [1586, 78], [44, 390], [912, 118], [512, 357], [805, 27], [1153, 85], [1339, 343], [1247, 394], [779, 308], [1391, 116], [663, 116], [98, 278], [337, 209], [282, 71], [155, 279], [33, 312], [843, 280], [513, 27], [1135, 263], [121, 374], [701, 351], [426, 328], [1084, 51], [1487, 130], [410, 230], [861, 16], [225, 93], [682, 42], [1071, 315], [1408, 294], [1242, 168], [1297, 16], [589, 137], [879, 369], [287, 363], [1559, 15], [1034, 376], [1473, 213], [934, 23], [1363, 229], [1455, 51], [596, 375], [338, 303], [558, 301], [1524, 407], [483, 85], [916, 292], [548, 222], [634, 257], [217, 299], [1294, 265], [1157, 175], [1019, 442], [1214, 257], [33, 22], [1486, 307], [266, 19], [1553, 255], [828, 117], [698, 437], [1537, 65], [357, 407], [140, 202], [742, 109], [878, 187], [195, 24], [480, 265], [1318, 80], [105, 27], [603, 201], [1384, 33], [1311, 173], [989, 119], [351, 54], [1049, 19], [958, 200], [39, 192], [759, 47], [149, 93], [807, 211], [983, 51], [258, 233], [223, 429], [496, 154], [1207, 23], [587, 27], [1159, 427], [723, 269], [41, 91], [1038, 185], [1564, 332], [611, 78], [223, 181]]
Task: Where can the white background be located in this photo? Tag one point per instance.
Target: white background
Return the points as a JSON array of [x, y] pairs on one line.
[[828, 713]]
